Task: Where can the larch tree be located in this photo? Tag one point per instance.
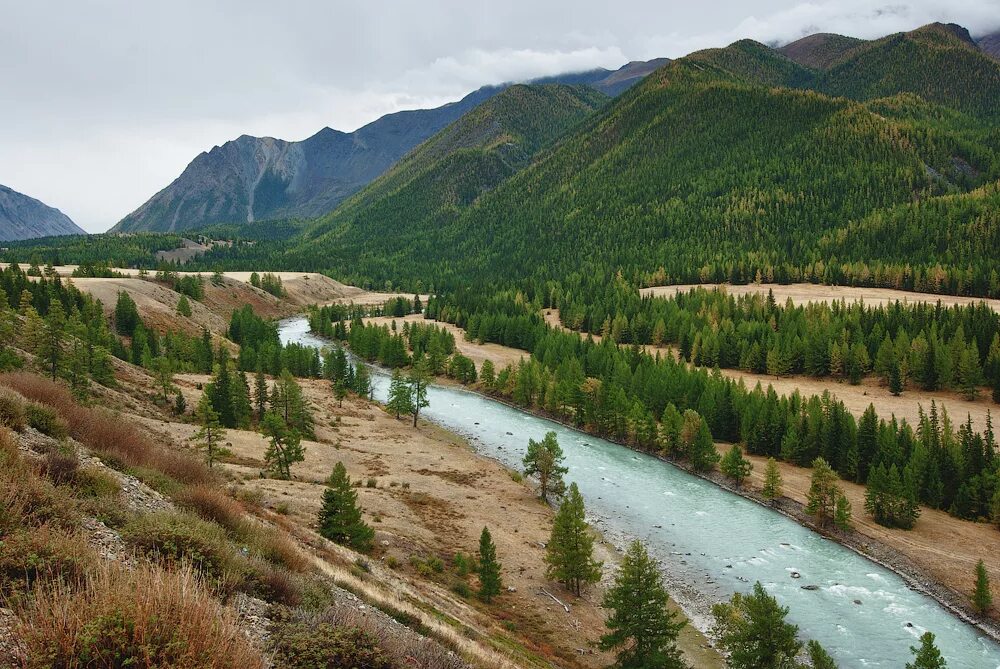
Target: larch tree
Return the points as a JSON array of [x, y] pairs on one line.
[[490, 582], [210, 433], [340, 517], [400, 399], [926, 655], [735, 466], [642, 631], [285, 447], [544, 459], [419, 379], [772, 481], [823, 492], [570, 551], [752, 629], [982, 598]]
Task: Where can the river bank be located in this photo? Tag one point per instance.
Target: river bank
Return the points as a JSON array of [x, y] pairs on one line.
[[731, 544]]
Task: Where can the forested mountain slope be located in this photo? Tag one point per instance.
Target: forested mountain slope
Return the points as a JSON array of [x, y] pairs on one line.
[[433, 185], [262, 178], [717, 166]]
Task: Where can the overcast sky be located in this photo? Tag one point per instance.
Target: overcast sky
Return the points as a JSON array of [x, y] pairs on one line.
[[104, 102]]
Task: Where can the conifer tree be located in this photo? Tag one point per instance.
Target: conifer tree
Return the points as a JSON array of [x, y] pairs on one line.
[[285, 447], [735, 466], [210, 433], [702, 449], [570, 551], [362, 380], [487, 374], [164, 371], [842, 511], [982, 598], [544, 459], [340, 517], [260, 394], [926, 656], [490, 582], [772, 481], [221, 390], [642, 631], [400, 398], [183, 306], [53, 334], [752, 629], [818, 657], [419, 379], [823, 492], [288, 400]]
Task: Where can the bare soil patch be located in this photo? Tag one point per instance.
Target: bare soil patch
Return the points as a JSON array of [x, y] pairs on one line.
[[803, 293]]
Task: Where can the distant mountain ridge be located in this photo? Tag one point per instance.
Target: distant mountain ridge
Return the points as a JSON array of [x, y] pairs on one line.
[[259, 178], [24, 217]]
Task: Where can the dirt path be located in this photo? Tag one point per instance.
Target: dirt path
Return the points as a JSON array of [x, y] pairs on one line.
[[944, 547], [432, 496], [802, 293]]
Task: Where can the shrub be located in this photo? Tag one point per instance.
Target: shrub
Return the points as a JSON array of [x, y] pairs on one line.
[[462, 589], [30, 501], [305, 645], [94, 482], [176, 536], [274, 584], [12, 410], [46, 552], [142, 617], [213, 504], [45, 419], [61, 466], [105, 433]]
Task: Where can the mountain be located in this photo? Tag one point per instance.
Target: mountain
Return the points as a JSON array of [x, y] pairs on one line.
[[261, 178], [819, 51], [716, 165], [441, 178], [23, 217], [990, 45]]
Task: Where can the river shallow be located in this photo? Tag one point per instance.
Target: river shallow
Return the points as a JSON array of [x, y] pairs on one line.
[[713, 543]]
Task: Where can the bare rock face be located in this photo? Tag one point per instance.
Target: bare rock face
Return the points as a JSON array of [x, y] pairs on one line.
[[23, 217]]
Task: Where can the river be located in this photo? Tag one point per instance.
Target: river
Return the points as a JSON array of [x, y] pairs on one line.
[[713, 543]]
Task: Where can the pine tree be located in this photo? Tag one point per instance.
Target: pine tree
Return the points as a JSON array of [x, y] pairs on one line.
[[288, 400], [285, 447], [340, 391], [210, 433], [418, 379], [53, 335], [842, 511], [735, 466], [772, 481], [702, 449], [818, 657], [641, 629], [982, 598], [823, 492], [260, 394], [752, 629], [221, 391], [487, 374], [570, 551], [362, 380], [400, 398], [183, 306], [544, 459], [164, 371], [895, 378], [340, 517], [490, 582], [926, 656]]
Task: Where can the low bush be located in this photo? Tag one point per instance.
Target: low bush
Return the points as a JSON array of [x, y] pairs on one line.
[[306, 645], [12, 410], [213, 504], [94, 482], [61, 466], [146, 617], [45, 419], [27, 500], [105, 433], [174, 537], [46, 552]]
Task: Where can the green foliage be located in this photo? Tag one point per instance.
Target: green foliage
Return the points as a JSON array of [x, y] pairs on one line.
[[982, 598], [641, 629], [735, 466], [184, 306], [544, 459], [490, 583], [400, 396], [751, 628], [926, 656], [210, 432], [46, 420], [888, 500], [340, 516], [176, 536], [285, 445], [322, 645], [824, 493], [570, 551], [772, 489]]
